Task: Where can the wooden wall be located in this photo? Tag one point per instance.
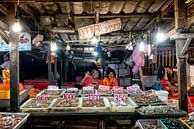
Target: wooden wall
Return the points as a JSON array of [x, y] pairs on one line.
[[165, 57]]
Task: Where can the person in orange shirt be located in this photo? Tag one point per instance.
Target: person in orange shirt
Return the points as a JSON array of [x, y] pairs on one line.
[[110, 79]]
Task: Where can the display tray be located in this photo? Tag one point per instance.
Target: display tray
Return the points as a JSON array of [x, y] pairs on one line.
[[60, 104], [84, 93], [170, 123], [187, 122], [126, 106], [52, 93], [135, 93], [95, 106], [33, 105], [149, 124], [13, 120], [144, 100], [155, 111]]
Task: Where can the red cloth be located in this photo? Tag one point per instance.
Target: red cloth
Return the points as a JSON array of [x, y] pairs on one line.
[[41, 86]]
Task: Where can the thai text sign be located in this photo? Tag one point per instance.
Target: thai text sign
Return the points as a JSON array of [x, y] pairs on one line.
[[24, 43], [99, 28]]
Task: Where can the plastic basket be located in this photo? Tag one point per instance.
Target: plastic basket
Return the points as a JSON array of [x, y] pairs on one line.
[[4, 94], [182, 119], [142, 123]]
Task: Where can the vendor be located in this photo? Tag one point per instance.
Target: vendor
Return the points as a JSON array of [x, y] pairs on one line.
[[94, 79], [169, 81], [110, 79], [6, 62]]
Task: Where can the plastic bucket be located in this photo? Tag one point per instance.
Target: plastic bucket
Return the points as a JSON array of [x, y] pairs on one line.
[[162, 95]]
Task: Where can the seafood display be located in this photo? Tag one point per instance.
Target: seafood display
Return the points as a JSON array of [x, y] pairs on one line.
[[149, 124], [97, 106], [143, 100], [170, 123], [36, 105], [88, 103], [157, 110], [12, 121], [122, 106], [66, 104]]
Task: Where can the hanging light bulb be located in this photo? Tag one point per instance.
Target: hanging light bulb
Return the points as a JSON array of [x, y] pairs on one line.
[[53, 46], [142, 46], [95, 53], [160, 37], [16, 26], [68, 47]]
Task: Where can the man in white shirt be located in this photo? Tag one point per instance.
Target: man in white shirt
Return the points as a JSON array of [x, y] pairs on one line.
[[6, 62]]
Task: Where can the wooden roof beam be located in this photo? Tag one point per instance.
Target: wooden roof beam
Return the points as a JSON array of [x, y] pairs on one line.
[[3, 10], [32, 14], [30, 1], [3, 25], [118, 16], [4, 36]]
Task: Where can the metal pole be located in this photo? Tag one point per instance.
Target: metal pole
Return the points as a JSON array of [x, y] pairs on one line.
[[55, 69], [14, 61], [49, 66]]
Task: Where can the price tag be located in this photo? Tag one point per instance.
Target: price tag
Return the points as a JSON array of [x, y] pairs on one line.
[[120, 97], [42, 98], [72, 89], [69, 96], [88, 88], [118, 88], [133, 89], [93, 97], [103, 88], [52, 87]]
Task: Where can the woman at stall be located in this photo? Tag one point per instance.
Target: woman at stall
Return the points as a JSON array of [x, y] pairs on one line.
[[169, 81], [110, 79], [94, 79]]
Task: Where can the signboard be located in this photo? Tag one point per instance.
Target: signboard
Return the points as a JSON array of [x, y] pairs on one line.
[[24, 43], [88, 88], [88, 32], [103, 88]]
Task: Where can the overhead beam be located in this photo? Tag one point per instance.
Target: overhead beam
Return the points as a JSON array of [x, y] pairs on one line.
[[3, 25], [3, 10], [26, 28], [31, 13], [4, 36], [185, 47], [118, 15], [182, 36], [41, 1]]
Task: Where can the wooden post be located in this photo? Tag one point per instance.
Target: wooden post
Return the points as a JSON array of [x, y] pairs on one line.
[[14, 61], [55, 67], [49, 66], [180, 16]]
